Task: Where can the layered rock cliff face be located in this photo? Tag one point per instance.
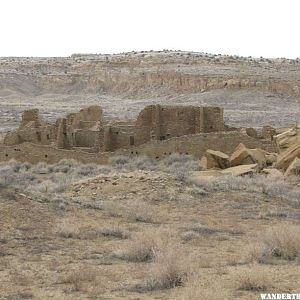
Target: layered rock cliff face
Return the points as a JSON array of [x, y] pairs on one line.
[[137, 73], [170, 81]]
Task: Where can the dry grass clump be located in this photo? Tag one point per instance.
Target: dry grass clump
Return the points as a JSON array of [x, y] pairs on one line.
[[281, 242], [189, 235], [68, 230], [45, 178], [114, 232], [170, 268], [279, 187], [113, 208], [169, 265], [177, 164], [77, 278], [139, 211], [195, 290], [253, 280], [142, 248]]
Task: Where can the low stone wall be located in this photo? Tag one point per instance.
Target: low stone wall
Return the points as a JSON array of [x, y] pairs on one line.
[[196, 145], [28, 152]]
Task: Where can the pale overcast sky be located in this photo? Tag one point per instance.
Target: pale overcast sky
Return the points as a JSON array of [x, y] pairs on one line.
[[268, 28]]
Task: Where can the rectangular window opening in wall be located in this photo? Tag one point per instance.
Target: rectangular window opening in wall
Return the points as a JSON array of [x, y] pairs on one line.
[[39, 138], [162, 138], [131, 140], [48, 137]]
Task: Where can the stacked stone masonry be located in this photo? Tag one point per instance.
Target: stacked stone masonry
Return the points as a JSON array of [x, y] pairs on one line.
[[157, 131]]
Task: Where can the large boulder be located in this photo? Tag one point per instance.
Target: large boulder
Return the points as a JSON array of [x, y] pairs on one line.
[[244, 156], [287, 139], [249, 131], [294, 168], [216, 159], [241, 170], [286, 158]]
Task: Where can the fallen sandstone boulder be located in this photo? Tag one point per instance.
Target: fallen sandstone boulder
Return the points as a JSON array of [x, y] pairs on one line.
[[241, 170], [216, 159], [286, 158], [250, 132], [287, 139], [294, 168], [244, 156]]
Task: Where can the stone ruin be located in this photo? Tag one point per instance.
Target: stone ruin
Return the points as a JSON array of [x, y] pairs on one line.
[[87, 131], [157, 132]]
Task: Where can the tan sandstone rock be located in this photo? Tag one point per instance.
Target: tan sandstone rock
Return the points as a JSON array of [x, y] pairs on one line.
[[241, 170], [286, 158], [294, 168], [244, 156], [287, 139], [216, 159]]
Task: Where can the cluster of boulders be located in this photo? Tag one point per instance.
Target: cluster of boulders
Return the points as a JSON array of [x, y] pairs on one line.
[[288, 144], [248, 161]]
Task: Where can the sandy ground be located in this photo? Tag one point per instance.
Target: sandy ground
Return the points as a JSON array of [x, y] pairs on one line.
[[50, 250]]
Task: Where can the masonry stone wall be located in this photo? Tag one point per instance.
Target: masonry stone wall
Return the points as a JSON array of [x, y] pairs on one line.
[[195, 145], [157, 122], [158, 131], [85, 138], [31, 115], [28, 152]]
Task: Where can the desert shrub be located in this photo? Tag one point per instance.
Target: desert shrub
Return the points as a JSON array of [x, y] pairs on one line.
[[67, 230], [114, 232], [278, 242], [78, 277], [43, 178], [189, 235], [253, 280], [113, 208], [142, 163], [119, 160], [139, 211], [40, 168], [169, 269], [142, 248], [179, 166], [272, 186], [87, 170]]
